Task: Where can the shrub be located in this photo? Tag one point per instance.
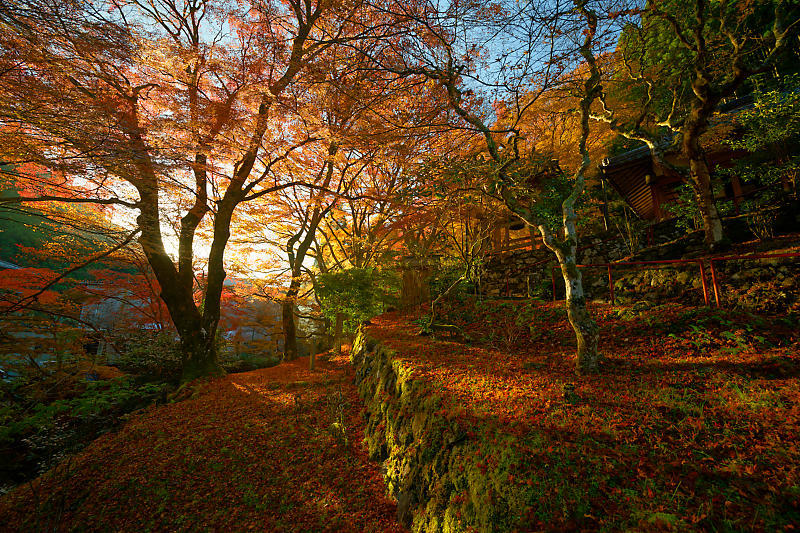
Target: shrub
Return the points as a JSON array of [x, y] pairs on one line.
[[248, 362], [35, 436], [153, 355], [358, 293]]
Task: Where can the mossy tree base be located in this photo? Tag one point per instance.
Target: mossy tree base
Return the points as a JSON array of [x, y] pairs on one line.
[[207, 367]]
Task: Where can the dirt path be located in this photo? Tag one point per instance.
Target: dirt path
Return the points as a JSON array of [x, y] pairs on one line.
[[277, 449]]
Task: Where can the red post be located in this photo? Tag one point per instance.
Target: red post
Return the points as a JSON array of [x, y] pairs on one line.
[[703, 279], [647, 264], [714, 281], [610, 284]]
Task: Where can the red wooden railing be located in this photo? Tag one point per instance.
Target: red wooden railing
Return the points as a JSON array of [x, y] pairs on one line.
[[520, 243], [713, 260], [646, 265], [700, 262]]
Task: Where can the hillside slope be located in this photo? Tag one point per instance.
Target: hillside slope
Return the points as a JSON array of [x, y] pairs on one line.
[[690, 426], [277, 449]]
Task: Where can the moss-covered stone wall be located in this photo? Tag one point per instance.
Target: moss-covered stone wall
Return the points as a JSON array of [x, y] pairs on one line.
[[526, 273], [447, 473]]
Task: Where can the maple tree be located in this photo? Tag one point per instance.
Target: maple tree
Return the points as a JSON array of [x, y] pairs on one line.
[[679, 63], [439, 54], [342, 167], [448, 237], [364, 233], [173, 101], [298, 240], [361, 235], [273, 164]]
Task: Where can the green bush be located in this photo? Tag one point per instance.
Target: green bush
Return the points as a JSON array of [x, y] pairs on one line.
[[248, 362], [358, 293], [685, 210], [153, 355], [35, 436], [770, 132], [445, 276]]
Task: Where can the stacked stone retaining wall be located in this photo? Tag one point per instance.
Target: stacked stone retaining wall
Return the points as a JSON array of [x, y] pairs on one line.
[[446, 474]]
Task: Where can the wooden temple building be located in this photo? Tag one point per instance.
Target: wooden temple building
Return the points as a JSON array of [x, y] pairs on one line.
[[633, 176]]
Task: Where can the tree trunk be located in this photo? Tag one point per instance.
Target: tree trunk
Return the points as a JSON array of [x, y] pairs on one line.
[[703, 105], [198, 353], [289, 327], [586, 329], [337, 332], [414, 288], [704, 193], [328, 343], [587, 333], [200, 357]]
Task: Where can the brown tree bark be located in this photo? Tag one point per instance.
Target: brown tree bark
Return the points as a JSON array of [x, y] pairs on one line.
[[337, 332], [704, 191], [289, 326]]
